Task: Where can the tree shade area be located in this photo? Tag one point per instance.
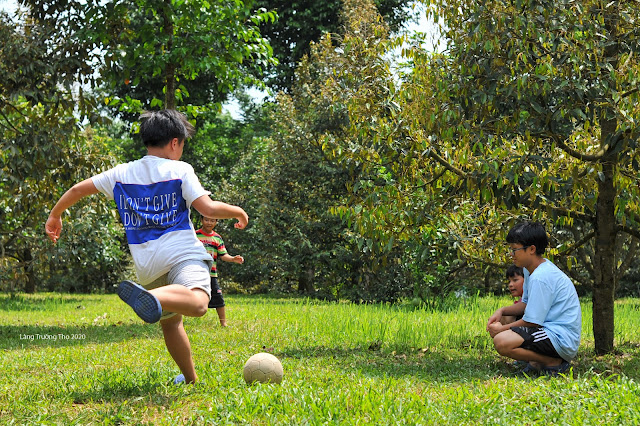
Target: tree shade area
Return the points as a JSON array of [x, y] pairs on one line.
[[362, 182], [303, 22]]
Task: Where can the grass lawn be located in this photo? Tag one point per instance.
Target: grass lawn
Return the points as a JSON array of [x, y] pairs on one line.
[[87, 359]]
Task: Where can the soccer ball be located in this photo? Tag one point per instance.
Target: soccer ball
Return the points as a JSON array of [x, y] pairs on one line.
[[263, 368]]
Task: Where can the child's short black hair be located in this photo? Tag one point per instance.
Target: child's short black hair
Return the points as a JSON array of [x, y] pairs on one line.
[[529, 234], [513, 270], [158, 128]]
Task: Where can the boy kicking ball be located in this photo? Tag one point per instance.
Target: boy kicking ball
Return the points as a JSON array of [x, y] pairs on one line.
[[153, 196], [547, 336]]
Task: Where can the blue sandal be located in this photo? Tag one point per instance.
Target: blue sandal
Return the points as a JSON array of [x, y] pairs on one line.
[[179, 379], [558, 369], [528, 371], [144, 304]]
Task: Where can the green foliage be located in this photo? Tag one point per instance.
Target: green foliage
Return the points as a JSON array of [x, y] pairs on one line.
[[34, 176], [92, 256], [298, 188], [44, 151], [48, 62], [527, 106], [300, 24], [154, 53], [297, 237], [216, 148], [530, 113], [551, 89], [192, 52]]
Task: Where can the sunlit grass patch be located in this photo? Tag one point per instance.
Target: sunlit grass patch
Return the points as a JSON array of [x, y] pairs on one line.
[[343, 363]]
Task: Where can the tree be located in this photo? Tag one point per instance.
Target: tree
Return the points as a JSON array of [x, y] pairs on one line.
[[297, 186], [205, 48], [44, 149], [153, 53], [216, 148], [49, 58], [294, 233], [531, 112], [301, 23]]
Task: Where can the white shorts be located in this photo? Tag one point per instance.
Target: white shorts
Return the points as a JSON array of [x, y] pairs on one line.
[[193, 274]]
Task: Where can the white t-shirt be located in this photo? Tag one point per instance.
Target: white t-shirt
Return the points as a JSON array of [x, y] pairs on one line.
[[552, 302], [153, 196]]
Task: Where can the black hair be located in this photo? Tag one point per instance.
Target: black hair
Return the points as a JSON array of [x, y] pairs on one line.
[[529, 234], [513, 270], [158, 128]]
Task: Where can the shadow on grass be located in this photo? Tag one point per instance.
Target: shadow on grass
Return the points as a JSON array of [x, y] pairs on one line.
[[428, 365], [121, 385], [42, 336], [120, 391], [39, 302], [447, 365], [624, 360]]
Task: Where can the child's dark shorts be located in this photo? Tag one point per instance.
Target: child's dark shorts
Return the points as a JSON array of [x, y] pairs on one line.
[[217, 301], [536, 340]]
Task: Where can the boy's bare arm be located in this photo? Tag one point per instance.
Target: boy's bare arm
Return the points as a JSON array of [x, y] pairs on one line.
[[517, 309], [496, 328], [219, 210], [80, 190], [235, 259]]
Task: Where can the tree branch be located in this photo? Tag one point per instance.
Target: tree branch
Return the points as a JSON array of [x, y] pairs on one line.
[[578, 244], [478, 259], [631, 215], [9, 125], [630, 231], [575, 154], [586, 260], [573, 273], [629, 258], [629, 92], [433, 154], [570, 213]]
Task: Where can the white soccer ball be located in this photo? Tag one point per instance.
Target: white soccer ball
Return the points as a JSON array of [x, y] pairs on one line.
[[262, 368]]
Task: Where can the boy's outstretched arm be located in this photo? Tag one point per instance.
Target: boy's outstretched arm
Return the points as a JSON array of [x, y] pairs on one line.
[[219, 210], [233, 259], [80, 190]]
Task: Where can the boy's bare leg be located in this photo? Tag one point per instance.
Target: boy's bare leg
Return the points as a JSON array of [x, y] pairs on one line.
[[222, 315], [508, 344], [177, 341], [179, 299]]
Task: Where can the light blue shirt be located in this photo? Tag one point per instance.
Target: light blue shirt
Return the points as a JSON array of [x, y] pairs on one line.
[[552, 302]]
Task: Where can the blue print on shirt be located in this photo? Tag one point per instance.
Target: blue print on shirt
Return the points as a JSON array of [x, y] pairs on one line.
[[150, 211]]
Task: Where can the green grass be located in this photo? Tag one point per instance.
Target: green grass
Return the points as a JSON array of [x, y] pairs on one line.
[[343, 363]]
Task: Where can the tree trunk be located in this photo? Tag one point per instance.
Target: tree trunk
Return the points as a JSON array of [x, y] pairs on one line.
[[27, 259], [170, 70], [604, 285], [487, 281], [604, 263], [305, 281]]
